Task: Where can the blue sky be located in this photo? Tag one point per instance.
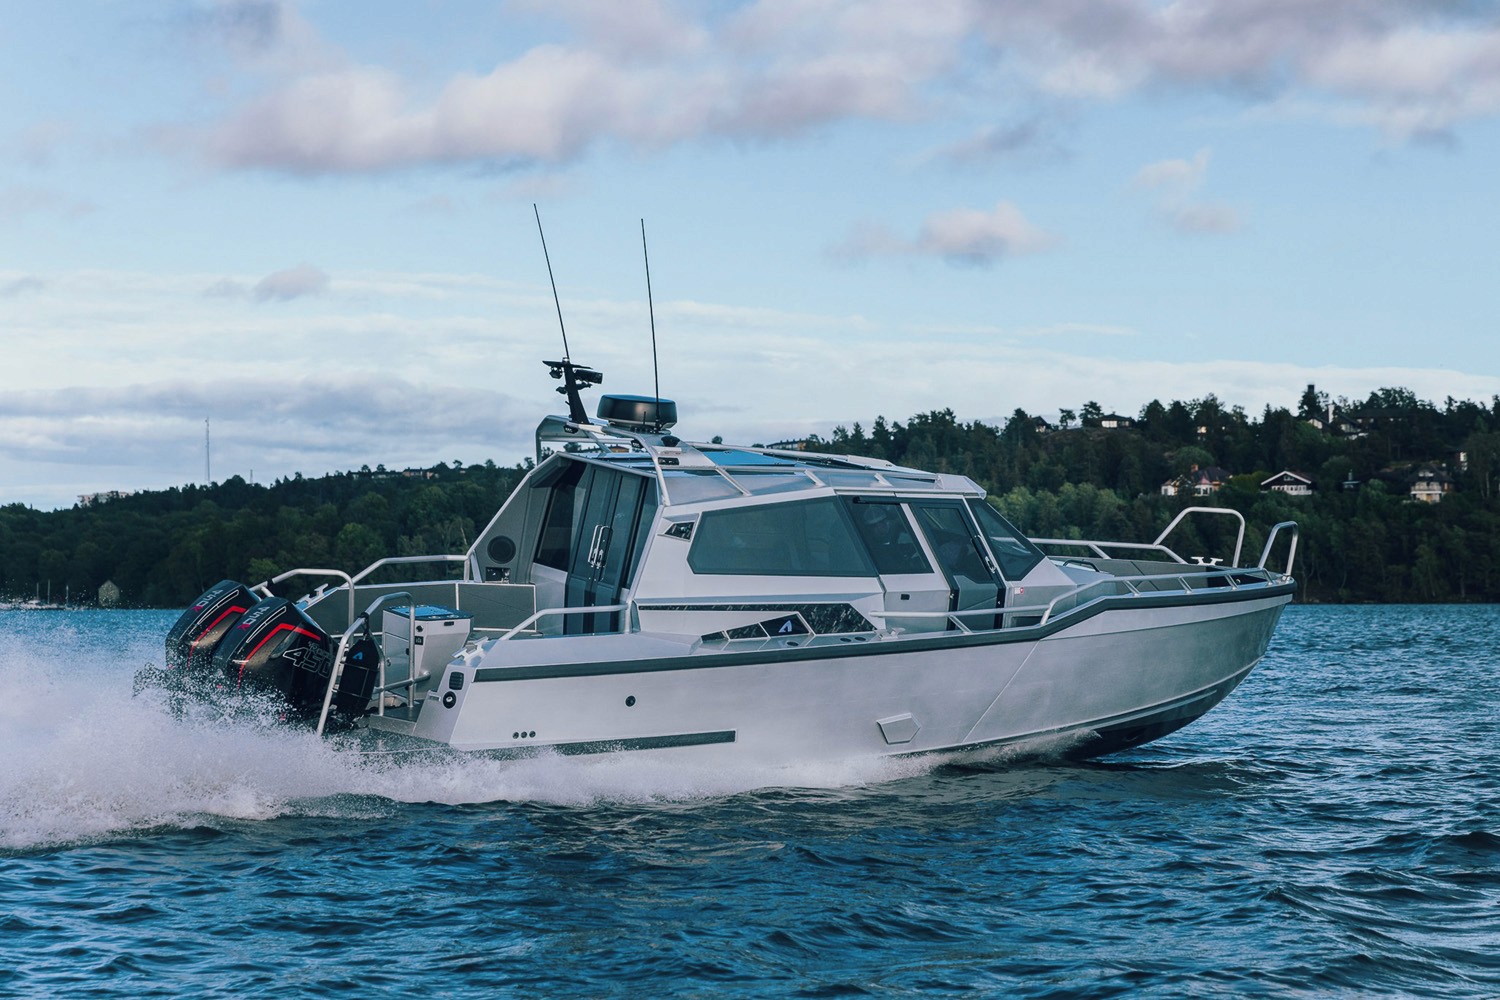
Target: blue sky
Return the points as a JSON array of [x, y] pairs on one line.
[[311, 222]]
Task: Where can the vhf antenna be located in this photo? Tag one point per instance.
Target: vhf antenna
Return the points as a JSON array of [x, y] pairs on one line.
[[555, 300], [571, 374], [655, 369]]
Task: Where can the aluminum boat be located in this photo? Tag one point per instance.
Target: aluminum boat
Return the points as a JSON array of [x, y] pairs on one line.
[[640, 592]]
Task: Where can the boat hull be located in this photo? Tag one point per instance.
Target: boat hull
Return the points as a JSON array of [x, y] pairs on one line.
[[1125, 672]]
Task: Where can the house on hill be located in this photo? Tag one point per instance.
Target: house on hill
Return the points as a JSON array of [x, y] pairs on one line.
[[1196, 482], [94, 499], [1429, 484], [1288, 482], [1116, 421]]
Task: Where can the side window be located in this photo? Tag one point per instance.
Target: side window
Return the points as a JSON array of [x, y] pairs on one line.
[[559, 524], [889, 537], [953, 541], [1014, 551], [807, 538]]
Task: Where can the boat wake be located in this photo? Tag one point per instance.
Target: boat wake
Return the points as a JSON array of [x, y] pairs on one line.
[[87, 762]]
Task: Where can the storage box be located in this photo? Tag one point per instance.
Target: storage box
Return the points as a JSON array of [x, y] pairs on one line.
[[439, 634]]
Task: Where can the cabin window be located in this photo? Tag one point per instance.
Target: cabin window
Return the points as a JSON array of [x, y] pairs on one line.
[[1015, 553], [889, 537], [804, 538], [559, 524]]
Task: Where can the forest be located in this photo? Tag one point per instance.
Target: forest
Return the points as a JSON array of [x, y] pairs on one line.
[[1090, 475]]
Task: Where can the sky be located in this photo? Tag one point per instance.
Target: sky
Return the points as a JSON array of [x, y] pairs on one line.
[[307, 227]]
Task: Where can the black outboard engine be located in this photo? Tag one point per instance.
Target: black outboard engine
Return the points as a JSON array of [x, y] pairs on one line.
[[275, 647], [192, 641]]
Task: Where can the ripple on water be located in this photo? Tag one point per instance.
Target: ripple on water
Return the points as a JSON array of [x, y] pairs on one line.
[[1331, 829]]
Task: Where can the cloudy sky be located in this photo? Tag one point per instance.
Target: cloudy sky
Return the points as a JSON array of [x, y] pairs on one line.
[[311, 222]]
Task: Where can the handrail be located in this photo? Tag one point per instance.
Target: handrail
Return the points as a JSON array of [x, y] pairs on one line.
[[1291, 555], [265, 587], [1100, 546], [1227, 572], [394, 560], [337, 672], [1238, 542], [601, 609]]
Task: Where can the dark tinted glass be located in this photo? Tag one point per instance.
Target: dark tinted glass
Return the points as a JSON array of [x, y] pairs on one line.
[[807, 538], [1014, 551], [951, 539], [560, 524], [889, 537]]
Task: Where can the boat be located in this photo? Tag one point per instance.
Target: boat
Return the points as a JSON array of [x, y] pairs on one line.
[[641, 592]]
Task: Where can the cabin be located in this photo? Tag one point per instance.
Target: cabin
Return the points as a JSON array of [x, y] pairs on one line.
[[1291, 483], [1116, 421]]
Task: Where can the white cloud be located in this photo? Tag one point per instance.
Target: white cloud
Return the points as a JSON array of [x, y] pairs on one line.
[[1033, 138], [1176, 184], [291, 283], [976, 236], [86, 401], [649, 74], [960, 236], [152, 433], [1181, 177]]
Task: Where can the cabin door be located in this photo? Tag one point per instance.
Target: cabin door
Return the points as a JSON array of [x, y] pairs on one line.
[[954, 541], [611, 534]]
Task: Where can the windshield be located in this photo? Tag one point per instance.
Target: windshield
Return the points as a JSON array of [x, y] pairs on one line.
[[1012, 549]]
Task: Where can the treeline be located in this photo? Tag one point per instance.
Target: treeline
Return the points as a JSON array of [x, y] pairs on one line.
[[162, 549], [1365, 542], [1082, 479]]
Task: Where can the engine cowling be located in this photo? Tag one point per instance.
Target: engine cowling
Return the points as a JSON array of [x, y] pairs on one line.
[[192, 641], [275, 647]]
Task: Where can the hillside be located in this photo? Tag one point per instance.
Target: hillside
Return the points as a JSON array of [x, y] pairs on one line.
[[1363, 538]]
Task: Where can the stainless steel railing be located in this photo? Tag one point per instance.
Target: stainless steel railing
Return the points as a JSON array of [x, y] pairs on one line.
[[1100, 548]]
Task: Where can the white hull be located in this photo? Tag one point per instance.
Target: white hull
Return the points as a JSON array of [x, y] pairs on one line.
[[1124, 675]]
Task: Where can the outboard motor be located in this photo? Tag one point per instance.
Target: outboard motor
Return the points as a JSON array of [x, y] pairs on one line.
[[275, 647], [197, 633]]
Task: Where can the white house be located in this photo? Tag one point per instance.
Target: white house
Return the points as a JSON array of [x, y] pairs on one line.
[[1288, 482]]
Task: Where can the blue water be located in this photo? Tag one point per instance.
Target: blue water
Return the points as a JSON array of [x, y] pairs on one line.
[[1332, 829]]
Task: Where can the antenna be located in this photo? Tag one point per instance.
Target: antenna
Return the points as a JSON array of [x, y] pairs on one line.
[[573, 376], [655, 369], [555, 300], [208, 478]]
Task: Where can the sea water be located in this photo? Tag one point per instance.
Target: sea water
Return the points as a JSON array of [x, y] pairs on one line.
[[1332, 829]]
